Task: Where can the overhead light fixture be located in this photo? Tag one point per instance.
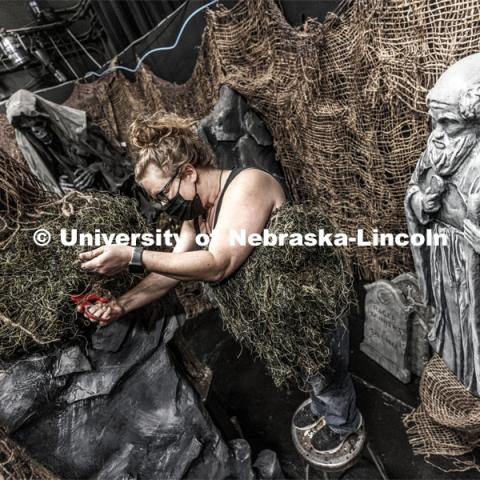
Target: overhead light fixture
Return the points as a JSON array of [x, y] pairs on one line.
[[13, 47]]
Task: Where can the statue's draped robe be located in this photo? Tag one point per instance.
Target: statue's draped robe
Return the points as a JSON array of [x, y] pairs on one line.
[[449, 276]]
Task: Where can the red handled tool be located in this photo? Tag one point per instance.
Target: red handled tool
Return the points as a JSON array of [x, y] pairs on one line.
[[85, 300]]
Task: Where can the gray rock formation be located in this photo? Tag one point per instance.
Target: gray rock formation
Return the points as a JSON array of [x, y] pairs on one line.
[[238, 136], [117, 407]]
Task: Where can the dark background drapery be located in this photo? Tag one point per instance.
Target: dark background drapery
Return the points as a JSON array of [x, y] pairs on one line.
[[125, 21]]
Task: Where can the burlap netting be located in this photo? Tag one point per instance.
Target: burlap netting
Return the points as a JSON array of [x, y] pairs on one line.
[[447, 422], [345, 100], [19, 191]]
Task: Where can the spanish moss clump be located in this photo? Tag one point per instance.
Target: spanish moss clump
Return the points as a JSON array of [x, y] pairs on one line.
[[36, 282], [283, 300]]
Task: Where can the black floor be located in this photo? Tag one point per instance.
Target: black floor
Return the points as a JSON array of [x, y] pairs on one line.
[[242, 387]]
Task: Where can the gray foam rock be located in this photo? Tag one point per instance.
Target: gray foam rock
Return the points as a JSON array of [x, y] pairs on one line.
[[71, 360], [132, 416], [255, 126]]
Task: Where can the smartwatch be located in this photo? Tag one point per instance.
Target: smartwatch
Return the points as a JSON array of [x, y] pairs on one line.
[[136, 265]]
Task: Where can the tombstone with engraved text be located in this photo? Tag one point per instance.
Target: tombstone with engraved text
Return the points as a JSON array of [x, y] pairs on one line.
[[396, 327]]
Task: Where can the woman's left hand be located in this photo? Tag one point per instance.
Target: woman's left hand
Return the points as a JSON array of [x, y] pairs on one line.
[[107, 260]]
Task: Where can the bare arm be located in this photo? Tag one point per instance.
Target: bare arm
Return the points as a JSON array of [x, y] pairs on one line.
[[246, 207], [156, 285], [152, 287]]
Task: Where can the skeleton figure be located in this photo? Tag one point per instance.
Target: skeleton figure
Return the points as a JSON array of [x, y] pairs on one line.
[[64, 149], [444, 195]]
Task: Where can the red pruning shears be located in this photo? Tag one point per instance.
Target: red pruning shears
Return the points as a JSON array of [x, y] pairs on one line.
[[85, 300]]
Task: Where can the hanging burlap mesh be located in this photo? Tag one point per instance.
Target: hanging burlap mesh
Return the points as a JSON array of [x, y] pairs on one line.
[[93, 98], [20, 190], [8, 142], [345, 101], [447, 422]]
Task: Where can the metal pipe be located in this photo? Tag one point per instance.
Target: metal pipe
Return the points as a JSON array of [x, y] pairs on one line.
[[67, 63], [87, 53], [37, 28]]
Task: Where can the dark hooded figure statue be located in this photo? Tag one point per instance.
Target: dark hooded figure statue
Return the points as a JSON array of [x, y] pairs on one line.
[[64, 149], [444, 196]]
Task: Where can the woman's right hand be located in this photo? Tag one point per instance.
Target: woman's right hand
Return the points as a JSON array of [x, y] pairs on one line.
[[104, 313]]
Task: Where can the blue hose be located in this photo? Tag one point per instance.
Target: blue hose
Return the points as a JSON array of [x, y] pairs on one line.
[[155, 50]]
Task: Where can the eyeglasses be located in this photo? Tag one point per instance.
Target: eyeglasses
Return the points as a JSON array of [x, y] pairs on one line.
[[161, 196]]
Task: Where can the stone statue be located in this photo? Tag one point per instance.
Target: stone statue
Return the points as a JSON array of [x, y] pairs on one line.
[[444, 196]]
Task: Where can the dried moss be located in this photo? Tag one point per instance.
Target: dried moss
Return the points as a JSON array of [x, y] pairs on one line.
[[36, 282], [284, 300]]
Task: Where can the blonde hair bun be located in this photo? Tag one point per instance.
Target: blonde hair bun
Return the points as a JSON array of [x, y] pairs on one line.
[[169, 141], [147, 132]]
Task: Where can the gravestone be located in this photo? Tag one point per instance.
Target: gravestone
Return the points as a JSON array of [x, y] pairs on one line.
[[396, 326]]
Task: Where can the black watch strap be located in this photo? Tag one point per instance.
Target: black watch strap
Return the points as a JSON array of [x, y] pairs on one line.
[[136, 263]]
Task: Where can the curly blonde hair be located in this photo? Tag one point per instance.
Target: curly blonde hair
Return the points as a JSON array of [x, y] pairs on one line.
[[168, 141]]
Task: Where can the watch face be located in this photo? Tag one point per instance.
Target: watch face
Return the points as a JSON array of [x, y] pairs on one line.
[[136, 265], [136, 268]]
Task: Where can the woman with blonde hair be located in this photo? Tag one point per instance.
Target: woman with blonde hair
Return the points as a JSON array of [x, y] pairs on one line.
[[177, 170]]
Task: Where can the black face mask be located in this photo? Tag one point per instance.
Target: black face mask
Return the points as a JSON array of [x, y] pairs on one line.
[[182, 209]]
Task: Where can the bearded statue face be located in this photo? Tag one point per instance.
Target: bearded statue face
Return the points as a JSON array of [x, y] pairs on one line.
[[454, 109], [452, 138]]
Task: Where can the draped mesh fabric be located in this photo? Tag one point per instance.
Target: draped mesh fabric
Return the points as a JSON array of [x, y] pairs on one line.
[[344, 100]]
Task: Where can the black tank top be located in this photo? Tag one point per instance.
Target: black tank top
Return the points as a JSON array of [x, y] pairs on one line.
[[235, 171]]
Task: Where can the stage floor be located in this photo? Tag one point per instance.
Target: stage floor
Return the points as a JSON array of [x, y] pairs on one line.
[[243, 388]]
